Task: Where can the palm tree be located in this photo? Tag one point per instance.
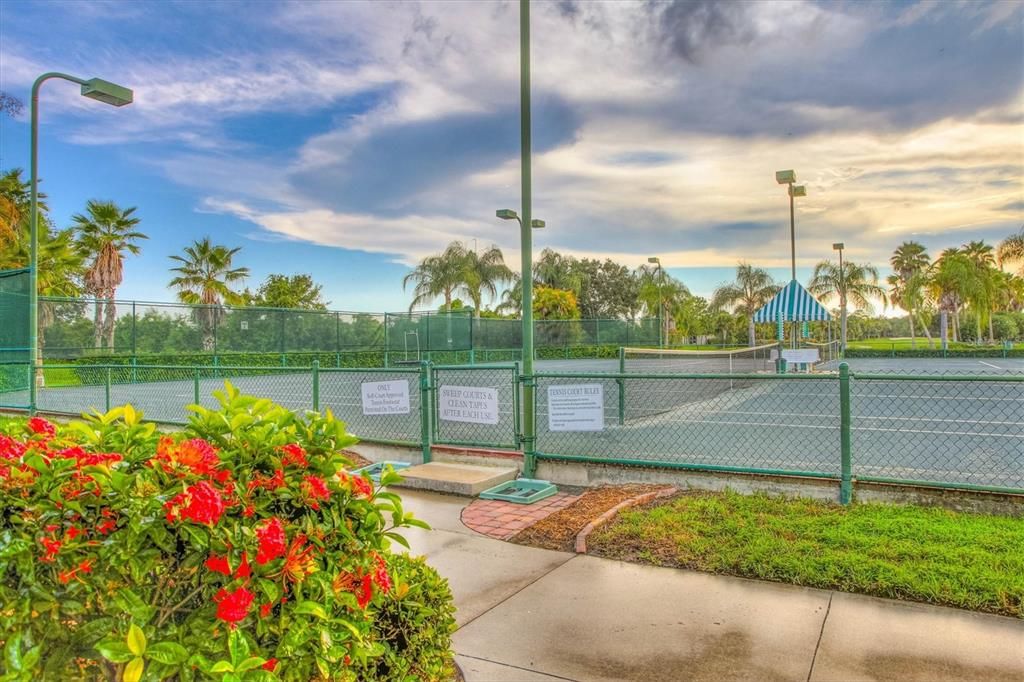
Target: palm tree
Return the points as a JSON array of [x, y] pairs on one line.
[[481, 274], [986, 293], [1011, 250], [953, 282], [908, 260], [204, 279], [912, 296], [752, 288], [857, 283], [105, 234], [661, 294], [438, 275]]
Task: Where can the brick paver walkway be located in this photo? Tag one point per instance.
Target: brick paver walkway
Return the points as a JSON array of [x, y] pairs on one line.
[[502, 520]]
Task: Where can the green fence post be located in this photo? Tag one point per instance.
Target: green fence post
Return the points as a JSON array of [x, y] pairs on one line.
[[134, 341], [316, 385], [106, 391], [195, 387], [426, 409], [622, 387], [135, 376], [846, 476]]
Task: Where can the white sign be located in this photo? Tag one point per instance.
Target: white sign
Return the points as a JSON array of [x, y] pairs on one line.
[[386, 397], [473, 404], [800, 356], [576, 407]]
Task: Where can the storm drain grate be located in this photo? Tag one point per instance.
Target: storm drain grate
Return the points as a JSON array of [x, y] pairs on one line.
[[521, 491], [377, 468]]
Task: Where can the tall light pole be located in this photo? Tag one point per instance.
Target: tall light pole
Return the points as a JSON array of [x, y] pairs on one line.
[[661, 306], [838, 246], [788, 178], [94, 88]]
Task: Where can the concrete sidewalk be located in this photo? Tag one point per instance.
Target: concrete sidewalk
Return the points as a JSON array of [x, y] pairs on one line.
[[531, 615]]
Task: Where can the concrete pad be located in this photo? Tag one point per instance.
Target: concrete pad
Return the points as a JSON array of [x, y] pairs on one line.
[[596, 619], [482, 572], [876, 639], [442, 512], [477, 670], [460, 479]]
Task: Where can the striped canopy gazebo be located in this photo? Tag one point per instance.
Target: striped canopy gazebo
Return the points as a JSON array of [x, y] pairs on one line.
[[792, 304]]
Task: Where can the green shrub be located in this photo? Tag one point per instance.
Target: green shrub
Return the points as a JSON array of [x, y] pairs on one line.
[[414, 625], [238, 550]]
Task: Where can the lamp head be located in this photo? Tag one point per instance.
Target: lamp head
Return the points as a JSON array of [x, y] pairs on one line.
[[537, 223], [785, 177], [107, 92], [798, 190], [654, 259], [838, 246], [506, 214]]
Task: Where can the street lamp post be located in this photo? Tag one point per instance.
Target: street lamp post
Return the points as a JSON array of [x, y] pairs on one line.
[[661, 306], [838, 246], [94, 88], [788, 178]]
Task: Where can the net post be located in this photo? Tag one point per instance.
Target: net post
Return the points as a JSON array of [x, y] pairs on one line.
[[846, 475], [135, 375], [106, 391], [134, 341], [426, 409], [316, 385], [622, 386], [195, 386]]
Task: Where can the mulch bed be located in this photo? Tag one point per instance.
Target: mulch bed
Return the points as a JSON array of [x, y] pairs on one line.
[[558, 531], [357, 460]]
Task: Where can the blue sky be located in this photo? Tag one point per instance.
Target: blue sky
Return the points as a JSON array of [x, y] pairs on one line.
[[350, 139]]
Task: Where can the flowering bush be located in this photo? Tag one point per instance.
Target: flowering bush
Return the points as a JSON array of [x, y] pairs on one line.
[[240, 549]]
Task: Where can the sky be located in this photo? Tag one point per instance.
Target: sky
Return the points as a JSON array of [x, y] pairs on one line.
[[350, 139]]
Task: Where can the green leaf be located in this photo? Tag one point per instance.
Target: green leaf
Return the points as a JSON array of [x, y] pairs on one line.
[[250, 663], [136, 640], [12, 653], [169, 653], [114, 651], [31, 658], [222, 667], [398, 538], [133, 605], [310, 608], [238, 648], [133, 671]]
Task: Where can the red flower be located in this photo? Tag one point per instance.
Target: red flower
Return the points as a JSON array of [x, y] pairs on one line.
[[42, 427], [272, 540], [270, 664], [52, 547], [10, 448], [233, 606], [73, 532], [218, 564], [201, 503], [358, 484], [299, 562], [194, 456], [294, 454], [84, 459], [107, 526], [268, 482], [243, 568], [248, 511], [315, 490], [380, 574], [265, 609], [365, 594]]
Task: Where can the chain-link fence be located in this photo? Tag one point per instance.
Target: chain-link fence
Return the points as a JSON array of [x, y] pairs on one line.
[[476, 406]]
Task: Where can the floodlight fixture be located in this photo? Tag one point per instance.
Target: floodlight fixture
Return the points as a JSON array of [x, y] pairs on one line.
[[506, 214], [537, 223], [785, 177], [798, 190], [107, 92], [654, 259], [838, 246]]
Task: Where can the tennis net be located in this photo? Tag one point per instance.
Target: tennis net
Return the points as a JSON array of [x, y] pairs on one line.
[[673, 361]]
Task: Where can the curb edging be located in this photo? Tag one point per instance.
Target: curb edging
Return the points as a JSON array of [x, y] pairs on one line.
[[581, 537]]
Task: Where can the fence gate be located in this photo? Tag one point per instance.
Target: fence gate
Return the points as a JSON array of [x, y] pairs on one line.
[[476, 405]]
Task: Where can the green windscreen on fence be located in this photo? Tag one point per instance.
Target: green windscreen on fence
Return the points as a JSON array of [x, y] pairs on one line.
[[14, 336]]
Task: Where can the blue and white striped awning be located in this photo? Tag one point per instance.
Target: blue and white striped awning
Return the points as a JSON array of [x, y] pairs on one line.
[[792, 304]]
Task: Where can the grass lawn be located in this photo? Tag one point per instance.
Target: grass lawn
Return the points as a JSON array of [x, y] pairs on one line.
[[970, 561], [903, 343]]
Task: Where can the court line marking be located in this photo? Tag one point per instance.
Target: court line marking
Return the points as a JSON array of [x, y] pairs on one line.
[[989, 364]]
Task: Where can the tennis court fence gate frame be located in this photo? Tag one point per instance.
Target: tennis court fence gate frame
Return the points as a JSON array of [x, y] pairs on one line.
[[631, 403]]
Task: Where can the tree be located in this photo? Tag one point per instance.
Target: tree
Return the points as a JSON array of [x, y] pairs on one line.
[[105, 234], [857, 283], [953, 282], [908, 260], [752, 288], [205, 275], [10, 105], [555, 304], [1011, 250], [482, 273], [15, 205], [555, 271], [607, 289], [284, 291], [913, 296], [438, 275]]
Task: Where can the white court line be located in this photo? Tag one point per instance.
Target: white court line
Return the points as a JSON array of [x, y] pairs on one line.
[[989, 364], [863, 416], [833, 427]]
